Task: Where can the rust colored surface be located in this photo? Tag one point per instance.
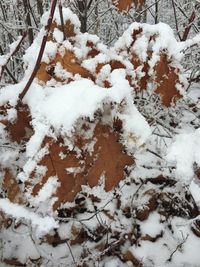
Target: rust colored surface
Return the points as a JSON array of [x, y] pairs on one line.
[[142, 82], [167, 79], [128, 256], [125, 5], [110, 159], [167, 89], [93, 50], [70, 63], [21, 129], [114, 64], [107, 159], [68, 28], [11, 186], [149, 206], [42, 73], [165, 76]]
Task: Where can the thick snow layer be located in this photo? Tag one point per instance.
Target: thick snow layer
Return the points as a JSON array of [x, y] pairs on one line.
[[164, 39], [60, 108], [185, 152], [67, 15], [43, 225]]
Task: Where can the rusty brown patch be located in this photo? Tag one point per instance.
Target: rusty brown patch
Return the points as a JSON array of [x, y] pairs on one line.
[[20, 130], [108, 159], [167, 79], [150, 205], [68, 28], [70, 63], [12, 188], [125, 5]]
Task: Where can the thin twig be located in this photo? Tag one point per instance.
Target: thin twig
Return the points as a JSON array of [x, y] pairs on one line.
[[7, 70], [147, 8], [182, 11], [176, 20], [156, 12], [43, 44], [189, 26], [32, 14], [12, 54], [154, 153], [178, 247], [70, 250], [62, 19]]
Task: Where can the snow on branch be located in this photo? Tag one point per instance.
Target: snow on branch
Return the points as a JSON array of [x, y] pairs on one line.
[[43, 225], [14, 47]]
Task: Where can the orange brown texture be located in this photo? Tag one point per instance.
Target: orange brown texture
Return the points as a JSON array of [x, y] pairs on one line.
[[166, 78], [68, 28], [125, 5], [142, 82], [130, 257], [107, 158], [114, 64], [150, 205], [43, 74], [68, 62], [93, 51], [12, 188], [20, 129]]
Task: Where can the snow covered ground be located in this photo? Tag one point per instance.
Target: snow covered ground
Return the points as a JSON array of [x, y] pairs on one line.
[[152, 217]]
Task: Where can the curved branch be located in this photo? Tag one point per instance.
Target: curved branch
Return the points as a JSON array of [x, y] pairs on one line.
[[43, 44]]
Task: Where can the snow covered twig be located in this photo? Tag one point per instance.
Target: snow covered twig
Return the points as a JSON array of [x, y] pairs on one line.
[[43, 44], [14, 49]]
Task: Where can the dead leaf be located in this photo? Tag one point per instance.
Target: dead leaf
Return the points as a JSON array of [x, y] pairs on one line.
[[125, 5], [12, 188], [87, 168]]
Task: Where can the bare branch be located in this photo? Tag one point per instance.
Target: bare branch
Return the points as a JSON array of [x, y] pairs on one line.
[[61, 19], [12, 54], [44, 40]]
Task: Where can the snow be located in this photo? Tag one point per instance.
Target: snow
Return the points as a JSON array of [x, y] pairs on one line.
[[23, 252], [67, 15], [4, 58], [152, 226], [58, 35], [50, 52], [43, 225], [195, 191], [88, 98], [48, 189], [56, 110], [184, 152]]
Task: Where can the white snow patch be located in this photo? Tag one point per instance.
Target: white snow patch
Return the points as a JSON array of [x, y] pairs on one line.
[[42, 225], [184, 152]]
